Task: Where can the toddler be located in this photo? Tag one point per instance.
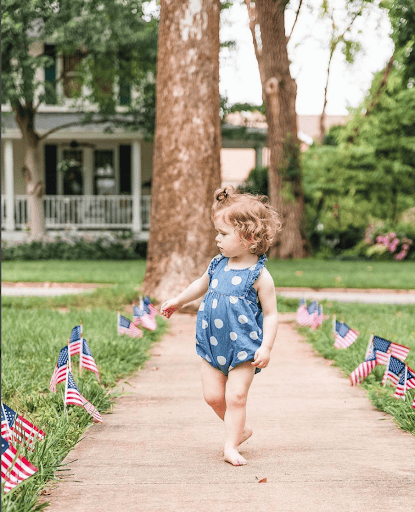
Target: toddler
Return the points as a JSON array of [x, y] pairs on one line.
[[237, 319]]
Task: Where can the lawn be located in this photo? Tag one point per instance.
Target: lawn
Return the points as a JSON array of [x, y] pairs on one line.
[[312, 273], [394, 323], [33, 331]]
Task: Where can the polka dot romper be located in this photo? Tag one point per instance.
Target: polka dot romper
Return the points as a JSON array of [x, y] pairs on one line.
[[229, 320]]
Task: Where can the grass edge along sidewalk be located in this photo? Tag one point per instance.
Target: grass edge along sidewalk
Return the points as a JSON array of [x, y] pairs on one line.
[[395, 323], [32, 339]]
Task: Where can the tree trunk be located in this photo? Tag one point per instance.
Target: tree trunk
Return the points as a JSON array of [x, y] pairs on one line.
[[279, 94], [186, 166], [34, 185]]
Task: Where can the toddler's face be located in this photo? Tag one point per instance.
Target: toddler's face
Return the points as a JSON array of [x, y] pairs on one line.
[[227, 239]]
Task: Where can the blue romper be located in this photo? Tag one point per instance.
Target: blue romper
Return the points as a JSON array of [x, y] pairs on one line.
[[229, 320]]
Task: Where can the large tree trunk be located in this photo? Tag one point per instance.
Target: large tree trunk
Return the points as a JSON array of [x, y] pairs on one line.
[[186, 168], [279, 94], [34, 184]]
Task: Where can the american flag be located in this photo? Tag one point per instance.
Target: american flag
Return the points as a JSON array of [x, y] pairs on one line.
[[17, 428], [59, 374], [317, 318], [141, 317], [14, 468], [345, 336], [399, 351], [75, 340], [74, 397], [380, 349], [363, 370], [148, 306], [393, 370], [302, 313], [128, 328], [406, 381], [87, 361]]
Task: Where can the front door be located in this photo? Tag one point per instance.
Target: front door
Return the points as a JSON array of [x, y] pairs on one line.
[[73, 183]]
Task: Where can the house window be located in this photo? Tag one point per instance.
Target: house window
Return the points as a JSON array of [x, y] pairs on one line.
[[50, 75], [72, 80], [124, 96], [104, 173]]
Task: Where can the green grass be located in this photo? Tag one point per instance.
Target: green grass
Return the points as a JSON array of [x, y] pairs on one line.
[[33, 331], [121, 272], [394, 323], [312, 273], [315, 273]]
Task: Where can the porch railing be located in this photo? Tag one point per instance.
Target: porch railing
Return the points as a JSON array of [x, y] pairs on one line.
[[87, 212]]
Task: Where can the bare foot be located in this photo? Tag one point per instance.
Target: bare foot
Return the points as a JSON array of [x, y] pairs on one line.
[[246, 434], [232, 456]]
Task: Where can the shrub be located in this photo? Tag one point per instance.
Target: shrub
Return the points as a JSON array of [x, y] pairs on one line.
[[76, 247]]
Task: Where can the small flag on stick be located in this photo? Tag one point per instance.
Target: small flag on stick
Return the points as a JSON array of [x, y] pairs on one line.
[[393, 369], [59, 374], [406, 381], [317, 318], [15, 428], [148, 306], [302, 313], [75, 340], [344, 335], [144, 318], [87, 361], [128, 328], [74, 397], [14, 468]]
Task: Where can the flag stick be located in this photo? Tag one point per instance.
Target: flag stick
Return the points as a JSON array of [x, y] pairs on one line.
[[404, 384], [385, 375], [69, 355], [118, 322], [66, 386], [369, 346], [82, 346], [334, 325]]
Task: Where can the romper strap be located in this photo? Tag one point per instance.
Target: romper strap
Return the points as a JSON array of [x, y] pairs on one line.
[[214, 263], [254, 273]]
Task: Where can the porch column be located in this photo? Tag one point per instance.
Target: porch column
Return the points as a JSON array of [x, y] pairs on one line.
[[9, 184], [258, 157], [136, 186], [88, 171]]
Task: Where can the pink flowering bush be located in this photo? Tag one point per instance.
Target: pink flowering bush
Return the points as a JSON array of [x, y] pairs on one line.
[[397, 246]]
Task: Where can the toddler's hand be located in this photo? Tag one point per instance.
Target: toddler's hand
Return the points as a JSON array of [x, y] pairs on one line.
[[262, 357], [169, 307]]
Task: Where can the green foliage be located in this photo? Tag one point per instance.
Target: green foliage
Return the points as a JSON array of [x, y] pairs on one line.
[[365, 169], [75, 248], [395, 323], [117, 44], [402, 17], [257, 182]]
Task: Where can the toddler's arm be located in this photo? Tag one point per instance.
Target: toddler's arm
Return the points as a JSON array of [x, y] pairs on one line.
[[266, 294], [192, 292]]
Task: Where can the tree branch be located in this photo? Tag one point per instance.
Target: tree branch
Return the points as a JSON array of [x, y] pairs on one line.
[[295, 21]]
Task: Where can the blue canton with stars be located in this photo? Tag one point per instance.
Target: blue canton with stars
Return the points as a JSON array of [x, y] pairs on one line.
[[8, 414]]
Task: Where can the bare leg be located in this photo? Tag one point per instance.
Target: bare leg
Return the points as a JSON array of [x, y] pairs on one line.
[[214, 386], [237, 387]]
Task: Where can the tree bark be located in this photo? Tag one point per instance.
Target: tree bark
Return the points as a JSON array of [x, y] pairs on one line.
[[24, 116], [186, 164], [279, 94]]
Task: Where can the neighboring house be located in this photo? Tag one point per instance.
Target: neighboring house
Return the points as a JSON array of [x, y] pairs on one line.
[[107, 182], [239, 157], [108, 175]]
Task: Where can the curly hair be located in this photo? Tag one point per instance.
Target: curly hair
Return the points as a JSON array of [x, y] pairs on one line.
[[252, 216]]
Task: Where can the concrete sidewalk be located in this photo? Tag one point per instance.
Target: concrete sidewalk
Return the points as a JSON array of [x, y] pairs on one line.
[[317, 440]]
